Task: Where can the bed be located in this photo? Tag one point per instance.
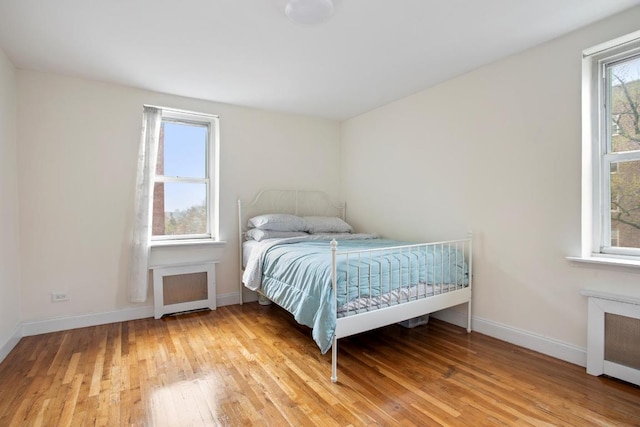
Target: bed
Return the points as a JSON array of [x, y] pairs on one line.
[[297, 250]]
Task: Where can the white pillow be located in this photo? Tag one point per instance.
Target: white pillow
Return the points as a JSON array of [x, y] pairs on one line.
[[278, 222], [326, 224], [259, 235]]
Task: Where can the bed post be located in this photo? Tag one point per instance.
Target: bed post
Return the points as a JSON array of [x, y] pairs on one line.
[[240, 244], [334, 344], [334, 360], [470, 281]]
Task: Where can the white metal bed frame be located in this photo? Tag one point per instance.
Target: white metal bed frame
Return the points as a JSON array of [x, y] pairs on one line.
[[307, 203]]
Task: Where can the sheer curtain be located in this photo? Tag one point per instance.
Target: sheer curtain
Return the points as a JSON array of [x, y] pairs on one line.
[[147, 155]]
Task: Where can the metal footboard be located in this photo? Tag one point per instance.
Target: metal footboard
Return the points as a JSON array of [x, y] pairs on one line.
[[377, 287]]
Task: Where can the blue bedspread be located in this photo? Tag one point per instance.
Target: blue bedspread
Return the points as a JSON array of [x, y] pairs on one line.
[[297, 276]]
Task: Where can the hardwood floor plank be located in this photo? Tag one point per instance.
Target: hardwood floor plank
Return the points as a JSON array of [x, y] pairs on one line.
[[69, 406], [253, 365], [40, 419]]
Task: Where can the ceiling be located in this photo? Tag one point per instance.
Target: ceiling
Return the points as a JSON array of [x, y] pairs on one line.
[[246, 52]]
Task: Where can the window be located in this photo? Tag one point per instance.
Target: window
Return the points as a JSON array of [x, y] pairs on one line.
[[611, 148], [185, 201]]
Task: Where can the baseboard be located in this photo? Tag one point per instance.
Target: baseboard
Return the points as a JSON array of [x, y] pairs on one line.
[[228, 299], [124, 315], [545, 345], [11, 342], [65, 323]]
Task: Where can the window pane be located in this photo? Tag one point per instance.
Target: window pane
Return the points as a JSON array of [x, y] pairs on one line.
[[624, 98], [182, 150], [179, 208], [625, 204]]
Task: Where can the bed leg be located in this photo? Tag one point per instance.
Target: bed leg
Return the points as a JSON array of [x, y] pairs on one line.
[[334, 360], [469, 317]]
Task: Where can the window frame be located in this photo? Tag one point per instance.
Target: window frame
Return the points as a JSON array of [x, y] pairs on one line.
[[211, 180], [596, 143]]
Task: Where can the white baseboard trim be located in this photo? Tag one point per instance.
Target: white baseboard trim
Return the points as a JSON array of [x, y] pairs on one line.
[[65, 323], [545, 345], [11, 342], [228, 299]]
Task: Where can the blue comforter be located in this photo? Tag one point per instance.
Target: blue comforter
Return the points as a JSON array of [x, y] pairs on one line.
[[297, 276]]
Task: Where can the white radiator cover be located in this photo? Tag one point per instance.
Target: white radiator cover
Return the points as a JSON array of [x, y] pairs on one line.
[[613, 345], [183, 287]]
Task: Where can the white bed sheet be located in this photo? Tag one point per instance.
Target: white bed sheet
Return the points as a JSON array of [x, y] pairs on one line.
[[247, 247]]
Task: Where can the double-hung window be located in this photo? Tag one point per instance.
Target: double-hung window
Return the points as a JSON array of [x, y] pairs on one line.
[[611, 148], [185, 193]]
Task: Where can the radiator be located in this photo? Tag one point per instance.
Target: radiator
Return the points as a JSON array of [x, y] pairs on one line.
[[613, 332], [183, 287], [622, 340], [187, 287]]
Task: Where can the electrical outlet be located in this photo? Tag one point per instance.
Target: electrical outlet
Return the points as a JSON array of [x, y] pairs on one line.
[[59, 296]]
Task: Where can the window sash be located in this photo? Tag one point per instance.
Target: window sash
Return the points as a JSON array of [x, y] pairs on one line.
[[205, 125], [211, 171], [607, 157], [208, 234], [607, 160]]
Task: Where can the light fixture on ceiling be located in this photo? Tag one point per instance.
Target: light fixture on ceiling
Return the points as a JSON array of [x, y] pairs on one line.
[[309, 12]]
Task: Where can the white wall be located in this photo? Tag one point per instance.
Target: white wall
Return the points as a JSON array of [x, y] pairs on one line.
[[496, 151], [78, 143], [9, 245]]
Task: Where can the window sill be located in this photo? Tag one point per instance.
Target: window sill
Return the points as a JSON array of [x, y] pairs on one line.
[[186, 242], [607, 260]]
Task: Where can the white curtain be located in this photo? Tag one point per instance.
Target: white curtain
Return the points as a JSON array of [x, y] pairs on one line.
[[147, 155]]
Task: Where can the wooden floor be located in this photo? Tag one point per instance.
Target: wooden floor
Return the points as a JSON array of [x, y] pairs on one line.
[[252, 365]]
